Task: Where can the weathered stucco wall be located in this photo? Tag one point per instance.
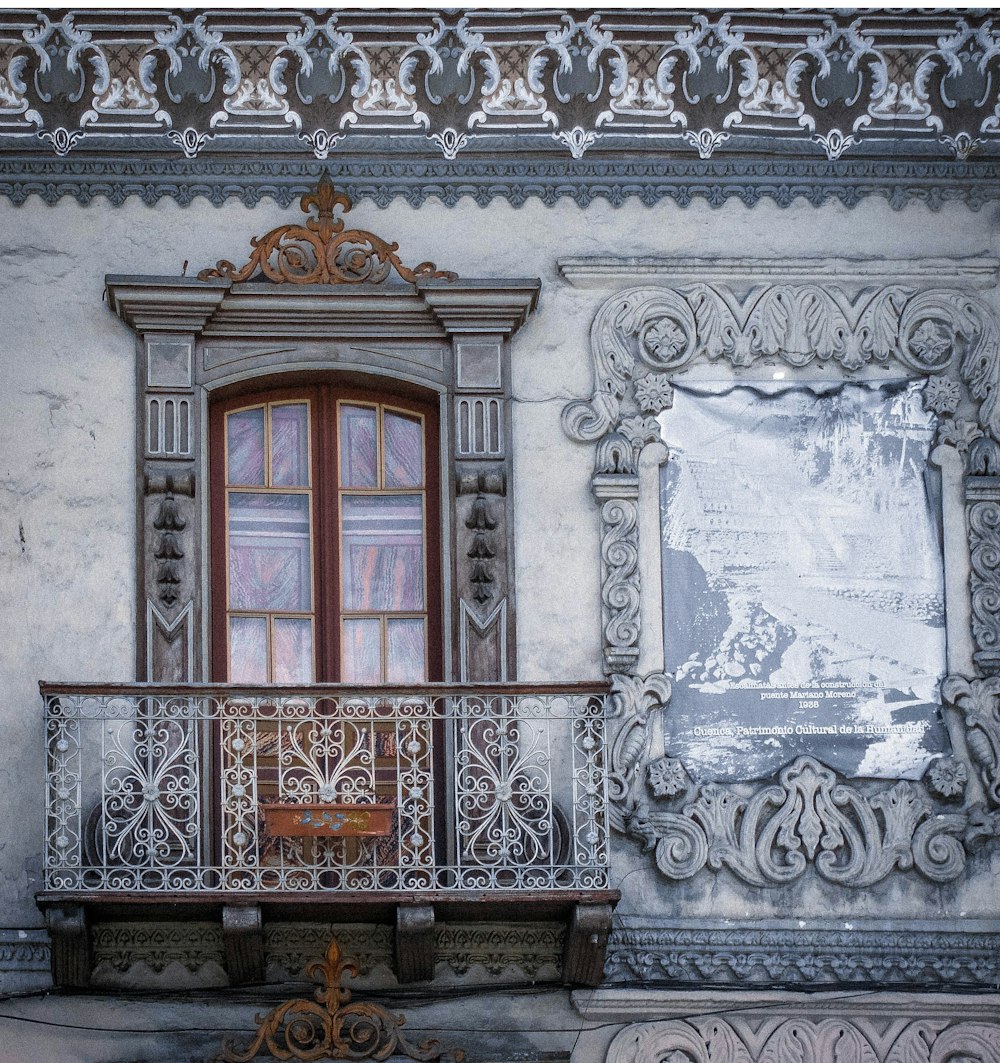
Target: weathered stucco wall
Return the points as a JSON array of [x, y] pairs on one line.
[[68, 424], [67, 536]]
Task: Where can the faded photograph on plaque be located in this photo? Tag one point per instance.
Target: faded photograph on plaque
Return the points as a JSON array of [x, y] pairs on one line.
[[803, 596]]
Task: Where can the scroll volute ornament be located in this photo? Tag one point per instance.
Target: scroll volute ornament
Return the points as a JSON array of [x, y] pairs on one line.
[[332, 1027], [322, 251]]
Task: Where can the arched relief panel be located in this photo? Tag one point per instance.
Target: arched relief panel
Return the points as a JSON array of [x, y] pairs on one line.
[[657, 349], [320, 298]]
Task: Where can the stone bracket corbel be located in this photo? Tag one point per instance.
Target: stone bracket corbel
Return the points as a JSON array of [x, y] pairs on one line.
[[243, 941], [414, 942]]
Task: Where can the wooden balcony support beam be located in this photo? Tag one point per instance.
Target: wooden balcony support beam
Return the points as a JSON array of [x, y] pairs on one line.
[[586, 944], [414, 942], [70, 955], [243, 940]]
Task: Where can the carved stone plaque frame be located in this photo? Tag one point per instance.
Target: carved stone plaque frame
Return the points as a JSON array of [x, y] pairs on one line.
[[770, 832]]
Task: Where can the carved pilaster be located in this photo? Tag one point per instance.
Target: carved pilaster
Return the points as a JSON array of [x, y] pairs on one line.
[[982, 495], [620, 600], [70, 953], [168, 566], [243, 941], [414, 943], [484, 577], [587, 944]]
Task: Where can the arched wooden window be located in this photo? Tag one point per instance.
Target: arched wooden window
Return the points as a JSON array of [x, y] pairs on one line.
[[325, 537]]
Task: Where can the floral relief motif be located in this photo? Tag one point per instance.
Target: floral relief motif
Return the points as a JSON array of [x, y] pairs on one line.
[[958, 432], [814, 83]]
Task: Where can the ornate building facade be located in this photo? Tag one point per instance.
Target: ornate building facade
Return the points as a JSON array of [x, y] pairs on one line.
[[503, 511]]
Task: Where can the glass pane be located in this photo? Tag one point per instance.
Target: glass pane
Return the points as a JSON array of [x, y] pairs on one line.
[[405, 651], [361, 660], [383, 556], [291, 650], [245, 447], [269, 555], [404, 451], [290, 445], [358, 447], [247, 649]]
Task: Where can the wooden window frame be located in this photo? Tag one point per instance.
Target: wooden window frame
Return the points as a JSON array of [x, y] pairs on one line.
[[324, 397]]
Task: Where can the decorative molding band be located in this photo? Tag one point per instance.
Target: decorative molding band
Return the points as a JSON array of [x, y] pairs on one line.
[[531, 949], [254, 171], [758, 955], [121, 945], [599, 271], [738, 1039], [24, 951], [680, 84], [291, 947], [535, 948], [637, 1003]]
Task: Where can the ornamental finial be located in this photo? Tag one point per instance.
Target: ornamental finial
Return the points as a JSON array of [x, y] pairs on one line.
[[322, 251]]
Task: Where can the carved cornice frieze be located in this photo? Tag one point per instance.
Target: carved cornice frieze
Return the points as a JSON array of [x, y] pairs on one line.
[[119, 946], [531, 947], [24, 951], [810, 956], [755, 1039], [462, 95], [291, 947]]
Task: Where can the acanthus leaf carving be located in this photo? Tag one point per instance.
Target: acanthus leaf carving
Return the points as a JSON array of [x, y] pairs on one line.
[[809, 818], [984, 557], [783, 1039], [929, 332]]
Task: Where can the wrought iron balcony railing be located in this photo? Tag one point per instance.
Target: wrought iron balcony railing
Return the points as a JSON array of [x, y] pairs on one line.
[[167, 789]]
